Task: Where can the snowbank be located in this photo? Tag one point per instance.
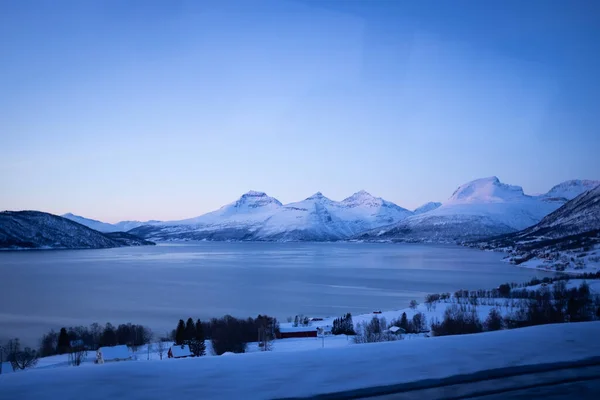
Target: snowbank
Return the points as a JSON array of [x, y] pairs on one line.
[[266, 375]]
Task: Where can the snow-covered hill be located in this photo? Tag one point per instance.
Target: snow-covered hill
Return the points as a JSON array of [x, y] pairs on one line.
[[122, 226], [568, 190], [256, 216], [567, 239], [35, 229], [432, 205], [480, 208]]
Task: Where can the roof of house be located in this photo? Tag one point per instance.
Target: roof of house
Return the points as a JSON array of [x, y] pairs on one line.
[[292, 329], [396, 329], [180, 350], [115, 352]]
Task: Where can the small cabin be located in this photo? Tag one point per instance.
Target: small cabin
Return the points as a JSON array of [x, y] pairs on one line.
[[115, 353], [179, 351], [396, 330]]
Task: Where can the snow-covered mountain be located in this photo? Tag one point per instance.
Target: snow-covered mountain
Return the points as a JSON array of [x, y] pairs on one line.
[[122, 226], [568, 238], [256, 216], [35, 229], [480, 208], [568, 190], [432, 205]]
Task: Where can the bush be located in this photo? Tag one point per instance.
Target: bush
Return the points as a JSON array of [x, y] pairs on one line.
[[457, 321], [374, 331], [494, 321]]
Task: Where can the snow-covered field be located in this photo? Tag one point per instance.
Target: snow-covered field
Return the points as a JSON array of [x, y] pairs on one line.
[[285, 374]]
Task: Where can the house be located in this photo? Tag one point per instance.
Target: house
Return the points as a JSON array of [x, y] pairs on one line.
[[297, 332], [396, 330], [179, 351], [114, 353]]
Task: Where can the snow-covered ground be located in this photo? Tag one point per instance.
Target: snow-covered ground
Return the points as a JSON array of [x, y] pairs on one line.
[[285, 374]]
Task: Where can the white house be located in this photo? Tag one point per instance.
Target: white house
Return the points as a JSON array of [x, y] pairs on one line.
[[179, 351], [115, 353], [396, 330]]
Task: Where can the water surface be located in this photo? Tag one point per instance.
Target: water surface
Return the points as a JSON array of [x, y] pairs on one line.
[[158, 285]]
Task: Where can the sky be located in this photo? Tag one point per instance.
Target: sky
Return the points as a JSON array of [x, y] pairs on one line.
[[166, 110]]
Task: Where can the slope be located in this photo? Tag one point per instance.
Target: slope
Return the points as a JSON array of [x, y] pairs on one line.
[[36, 230], [567, 239]]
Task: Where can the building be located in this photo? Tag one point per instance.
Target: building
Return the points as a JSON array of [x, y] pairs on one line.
[[396, 330], [179, 351], [114, 353], [297, 332]]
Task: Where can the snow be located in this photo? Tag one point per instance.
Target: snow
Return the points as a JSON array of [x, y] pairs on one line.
[[568, 190], [426, 207], [260, 375]]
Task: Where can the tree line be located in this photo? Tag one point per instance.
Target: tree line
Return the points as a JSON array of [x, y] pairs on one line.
[[546, 305], [229, 334]]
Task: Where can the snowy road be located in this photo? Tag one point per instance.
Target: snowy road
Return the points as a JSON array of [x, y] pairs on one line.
[[531, 381]]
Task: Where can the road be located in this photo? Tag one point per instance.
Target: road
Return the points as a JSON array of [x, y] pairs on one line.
[[580, 379]]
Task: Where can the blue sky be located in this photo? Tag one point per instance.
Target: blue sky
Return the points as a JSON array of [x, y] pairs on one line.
[[169, 109]]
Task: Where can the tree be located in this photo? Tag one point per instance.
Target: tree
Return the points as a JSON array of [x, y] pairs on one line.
[[413, 304], [404, 322], [418, 323], [180, 333], [49, 344], [161, 348], [77, 354], [197, 344], [109, 336], [20, 359], [296, 321], [494, 321], [190, 330], [63, 341]]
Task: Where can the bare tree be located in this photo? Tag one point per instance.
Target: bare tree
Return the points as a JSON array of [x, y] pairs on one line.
[[20, 359], [77, 354], [413, 304], [161, 347]]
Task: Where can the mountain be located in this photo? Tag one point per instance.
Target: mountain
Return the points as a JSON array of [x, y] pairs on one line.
[[480, 208], [567, 238], [37, 230], [234, 221], [256, 216], [432, 205], [568, 190], [100, 226]]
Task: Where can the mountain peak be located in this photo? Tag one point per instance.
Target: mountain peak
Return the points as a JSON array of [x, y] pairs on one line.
[[570, 189], [255, 199], [316, 196], [254, 193], [486, 190]]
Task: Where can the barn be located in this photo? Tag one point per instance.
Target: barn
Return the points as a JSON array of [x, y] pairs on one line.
[[179, 351], [297, 332]]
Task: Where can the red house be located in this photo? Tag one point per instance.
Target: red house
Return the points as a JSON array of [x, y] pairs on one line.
[[297, 332]]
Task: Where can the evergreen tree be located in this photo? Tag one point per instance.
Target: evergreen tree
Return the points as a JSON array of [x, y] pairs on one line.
[[63, 342], [349, 325], [190, 330], [404, 322], [109, 336], [296, 321], [198, 347], [180, 333]]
